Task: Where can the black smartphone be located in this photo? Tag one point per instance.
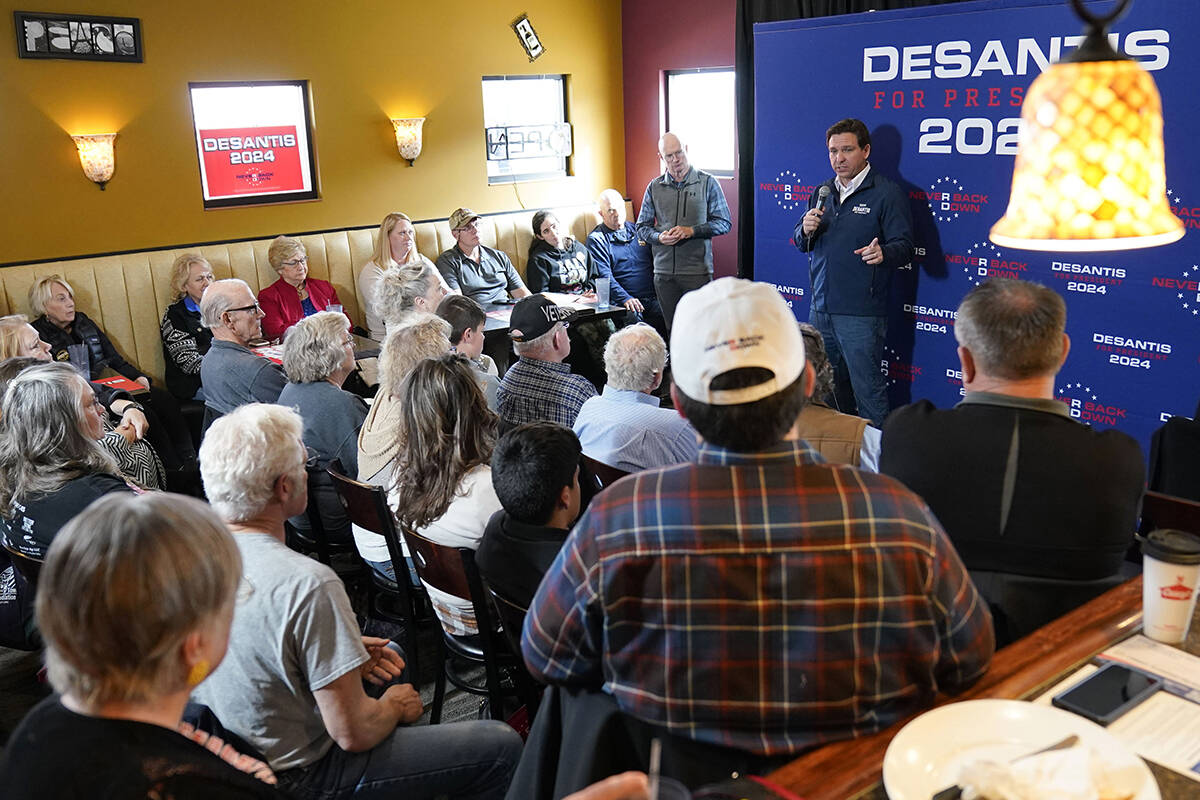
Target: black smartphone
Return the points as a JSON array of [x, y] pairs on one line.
[[1108, 693]]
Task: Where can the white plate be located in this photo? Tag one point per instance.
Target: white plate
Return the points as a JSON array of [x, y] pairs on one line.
[[925, 756]]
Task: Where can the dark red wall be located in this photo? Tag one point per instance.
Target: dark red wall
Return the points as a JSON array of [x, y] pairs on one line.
[[661, 35]]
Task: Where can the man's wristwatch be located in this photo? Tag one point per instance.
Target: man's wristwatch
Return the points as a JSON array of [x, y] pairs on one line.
[[134, 406]]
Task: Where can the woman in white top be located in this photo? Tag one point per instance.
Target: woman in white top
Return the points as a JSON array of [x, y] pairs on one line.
[[395, 246], [443, 478]]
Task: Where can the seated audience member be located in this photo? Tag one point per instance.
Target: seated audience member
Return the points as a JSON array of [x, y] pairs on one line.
[[540, 386], [624, 426], [557, 262], [802, 545], [1020, 486], [535, 472], [135, 456], [395, 246], [149, 582], [481, 273], [185, 340], [292, 681], [467, 321], [51, 464], [620, 255], [73, 337], [839, 438], [318, 355], [402, 350], [295, 295], [232, 375], [405, 294], [442, 478]]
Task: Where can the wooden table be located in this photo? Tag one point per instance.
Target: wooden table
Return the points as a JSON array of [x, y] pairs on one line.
[[854, 768]]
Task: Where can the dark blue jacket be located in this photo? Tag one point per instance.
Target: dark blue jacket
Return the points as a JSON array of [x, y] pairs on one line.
[[626, 257], [842, 283]]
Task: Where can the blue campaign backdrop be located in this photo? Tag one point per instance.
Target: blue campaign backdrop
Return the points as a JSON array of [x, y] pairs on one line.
[[940, 88]]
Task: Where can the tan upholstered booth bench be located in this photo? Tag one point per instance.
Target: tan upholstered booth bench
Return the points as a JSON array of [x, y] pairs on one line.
[[126, 294]]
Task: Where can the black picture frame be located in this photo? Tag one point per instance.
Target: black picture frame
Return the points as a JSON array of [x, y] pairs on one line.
[[78, 37], [307, 147]]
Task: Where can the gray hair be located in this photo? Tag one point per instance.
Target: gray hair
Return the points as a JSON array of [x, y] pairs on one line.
[[535, 348], [633, 356], [314, 347], [244, 453], [404, 348], [399, 287], [139, 574], [1013, 328], [610, 196], [42, 290], [44, 438], [218, 298]]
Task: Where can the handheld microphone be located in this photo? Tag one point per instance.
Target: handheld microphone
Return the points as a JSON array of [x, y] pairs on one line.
[[822, 196]]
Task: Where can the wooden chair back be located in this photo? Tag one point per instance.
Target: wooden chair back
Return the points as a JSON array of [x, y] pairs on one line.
[[604, 473], [1166, 511]]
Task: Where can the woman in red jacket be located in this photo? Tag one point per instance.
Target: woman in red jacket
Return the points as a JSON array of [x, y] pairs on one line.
[[295, 295]]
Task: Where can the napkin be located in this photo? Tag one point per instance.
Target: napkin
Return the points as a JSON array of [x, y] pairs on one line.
[[1078, 773]]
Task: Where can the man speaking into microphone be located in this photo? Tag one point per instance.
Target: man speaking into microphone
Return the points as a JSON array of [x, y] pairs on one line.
[[857, 230]]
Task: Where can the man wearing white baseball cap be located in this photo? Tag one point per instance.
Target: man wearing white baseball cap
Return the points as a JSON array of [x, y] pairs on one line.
[[758, 598]]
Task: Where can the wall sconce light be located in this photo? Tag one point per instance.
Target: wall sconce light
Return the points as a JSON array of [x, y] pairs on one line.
[[1089, 173], [408, 137], [96, 156]]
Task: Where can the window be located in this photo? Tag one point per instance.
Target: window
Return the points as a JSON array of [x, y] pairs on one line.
[[700, 109], [525, 117]]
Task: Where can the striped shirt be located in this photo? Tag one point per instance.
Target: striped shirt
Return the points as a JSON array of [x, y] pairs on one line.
[[628, 430], [765, 601], [534, 390]]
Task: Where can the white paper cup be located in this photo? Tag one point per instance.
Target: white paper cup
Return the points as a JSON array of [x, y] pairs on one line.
[[1170, 572]]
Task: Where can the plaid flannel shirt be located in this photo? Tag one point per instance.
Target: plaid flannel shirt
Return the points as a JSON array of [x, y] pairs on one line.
[[534, 390], [765, 601]]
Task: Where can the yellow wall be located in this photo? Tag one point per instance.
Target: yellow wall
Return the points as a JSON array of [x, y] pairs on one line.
[[365, 60]]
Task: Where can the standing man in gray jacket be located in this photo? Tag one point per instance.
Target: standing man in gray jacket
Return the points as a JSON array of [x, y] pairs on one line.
[[682, 211]]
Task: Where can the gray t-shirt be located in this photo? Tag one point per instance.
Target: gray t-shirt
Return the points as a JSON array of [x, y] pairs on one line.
[[293, 633], [489, 281]]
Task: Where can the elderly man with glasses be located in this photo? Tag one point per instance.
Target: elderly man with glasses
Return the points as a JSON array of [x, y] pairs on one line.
[[481, 273], [231, 374], [540, 386]]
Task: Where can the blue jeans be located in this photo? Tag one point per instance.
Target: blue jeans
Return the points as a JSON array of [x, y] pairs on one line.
[[458, 759], [855, 348]]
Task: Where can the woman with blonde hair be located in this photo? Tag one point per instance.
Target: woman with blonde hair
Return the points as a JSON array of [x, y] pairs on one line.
[[395, 246], [295, 295], [73, 336], [405, 294], [402, 350], [442, 476], [185, 340], [136, 603]]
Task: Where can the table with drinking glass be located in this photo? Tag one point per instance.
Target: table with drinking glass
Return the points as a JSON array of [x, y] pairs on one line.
[[1021, 671]]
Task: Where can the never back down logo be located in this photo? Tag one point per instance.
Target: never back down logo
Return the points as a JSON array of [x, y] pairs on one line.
[[895, 369], [983, 260], [1086, 406], [787, 192], [1186, 288], [948, 200]]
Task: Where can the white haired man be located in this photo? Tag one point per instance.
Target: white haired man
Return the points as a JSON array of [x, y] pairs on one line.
[[624, 426], [292, 681], [620, 255], [828, 601], [540, 386], [232, 375]]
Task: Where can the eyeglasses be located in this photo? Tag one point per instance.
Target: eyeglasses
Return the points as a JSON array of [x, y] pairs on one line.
[[405, 234], [472, 225], [295, 262], [254, 307]]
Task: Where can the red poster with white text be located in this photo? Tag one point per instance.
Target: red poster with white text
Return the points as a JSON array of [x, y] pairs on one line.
[[252, 160]]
